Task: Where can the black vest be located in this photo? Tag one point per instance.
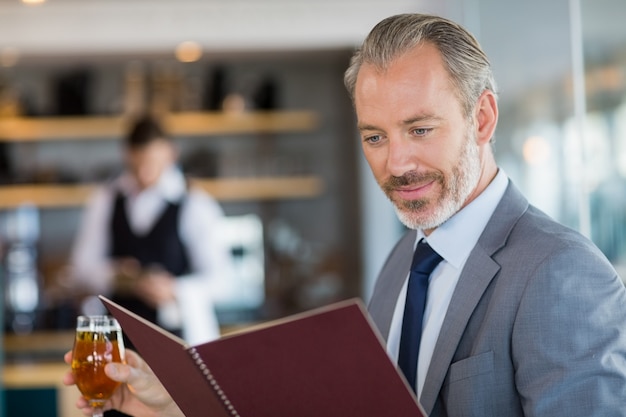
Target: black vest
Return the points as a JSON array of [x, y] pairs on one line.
[[161, 246]]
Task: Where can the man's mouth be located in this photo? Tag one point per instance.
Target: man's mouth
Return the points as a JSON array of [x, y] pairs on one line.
[[414, 191]]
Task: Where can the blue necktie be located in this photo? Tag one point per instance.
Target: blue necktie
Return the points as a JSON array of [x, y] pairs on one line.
[[425, 259]]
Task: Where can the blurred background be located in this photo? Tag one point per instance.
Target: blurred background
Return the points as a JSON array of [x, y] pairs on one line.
[[253, 93]]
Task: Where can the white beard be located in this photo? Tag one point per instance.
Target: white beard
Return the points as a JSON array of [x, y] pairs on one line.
[[463, 181]]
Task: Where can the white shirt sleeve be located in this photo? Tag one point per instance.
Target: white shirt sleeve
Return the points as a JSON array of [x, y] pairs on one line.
[[210, 263], [91, 269]]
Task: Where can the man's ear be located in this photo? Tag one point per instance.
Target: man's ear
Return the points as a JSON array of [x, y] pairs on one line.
[[486, 117]]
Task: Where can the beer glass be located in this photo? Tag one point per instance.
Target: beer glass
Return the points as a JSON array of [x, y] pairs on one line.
[[98, 341]]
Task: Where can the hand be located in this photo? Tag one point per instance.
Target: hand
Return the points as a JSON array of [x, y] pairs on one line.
[[156, 287], [126, 273], [140, 394]]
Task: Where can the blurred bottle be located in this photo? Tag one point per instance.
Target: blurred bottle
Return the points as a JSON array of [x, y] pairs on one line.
[[22, 279], [9, 100], [134, 89]]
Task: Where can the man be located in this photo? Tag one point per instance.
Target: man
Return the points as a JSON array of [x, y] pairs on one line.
[[523, 317], [148, 239]]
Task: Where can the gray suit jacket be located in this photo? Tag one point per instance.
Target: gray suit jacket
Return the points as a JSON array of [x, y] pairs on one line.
[[536, 325]]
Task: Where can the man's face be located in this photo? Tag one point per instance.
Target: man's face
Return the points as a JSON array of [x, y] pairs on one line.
[[148, 162], [421, 147]]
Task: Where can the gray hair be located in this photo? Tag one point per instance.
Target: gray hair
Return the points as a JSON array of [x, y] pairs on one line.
[[467, 64]]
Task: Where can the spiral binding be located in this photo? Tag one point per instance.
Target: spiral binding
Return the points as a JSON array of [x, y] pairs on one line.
[[209, 376]]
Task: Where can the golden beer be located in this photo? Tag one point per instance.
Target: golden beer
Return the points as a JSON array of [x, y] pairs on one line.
[[96, 345]]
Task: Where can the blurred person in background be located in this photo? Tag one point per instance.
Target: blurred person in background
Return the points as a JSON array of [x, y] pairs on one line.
[[148, 240]]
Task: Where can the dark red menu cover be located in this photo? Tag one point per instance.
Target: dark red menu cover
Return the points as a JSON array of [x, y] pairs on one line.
[[328, 362]]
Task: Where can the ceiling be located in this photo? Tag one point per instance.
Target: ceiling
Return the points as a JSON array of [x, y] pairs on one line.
[[88, 26], [120, 26]]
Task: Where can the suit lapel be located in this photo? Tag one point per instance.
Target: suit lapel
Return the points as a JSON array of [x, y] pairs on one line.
[[478, 272], [389, 283]]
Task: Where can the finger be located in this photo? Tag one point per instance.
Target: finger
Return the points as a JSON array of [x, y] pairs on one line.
[[135, 378], [68, 379], [130, 356], [83, 405], [133, 359], [118, 371]]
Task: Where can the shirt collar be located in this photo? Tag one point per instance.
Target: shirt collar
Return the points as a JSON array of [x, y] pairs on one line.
[[455, 238]]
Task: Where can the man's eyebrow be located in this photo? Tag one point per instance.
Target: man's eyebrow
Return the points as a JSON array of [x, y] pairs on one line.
[[420, 118], [362, 127], [411, 120]]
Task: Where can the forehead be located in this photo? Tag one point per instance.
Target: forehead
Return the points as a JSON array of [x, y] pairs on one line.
[[154, 147], [417, 78], [420, 67]]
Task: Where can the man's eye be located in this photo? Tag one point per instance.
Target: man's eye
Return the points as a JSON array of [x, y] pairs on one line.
[[421, 131], [372, 139]]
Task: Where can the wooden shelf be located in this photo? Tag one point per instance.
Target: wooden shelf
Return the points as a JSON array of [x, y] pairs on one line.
[[223, 189], [32, 129]]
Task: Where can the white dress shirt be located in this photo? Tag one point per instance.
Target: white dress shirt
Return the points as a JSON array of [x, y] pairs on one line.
[[209, 257], [453, 241]]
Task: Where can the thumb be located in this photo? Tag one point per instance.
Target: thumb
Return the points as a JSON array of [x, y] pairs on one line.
[[118, 371], [142, 384], [137, 380]]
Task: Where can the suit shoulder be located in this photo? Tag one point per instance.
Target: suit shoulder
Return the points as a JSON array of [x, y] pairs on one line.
[[537, 234]]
